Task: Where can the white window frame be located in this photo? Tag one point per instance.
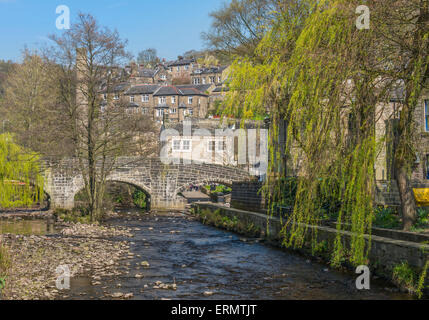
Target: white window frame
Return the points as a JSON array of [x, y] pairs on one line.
[[183, 145], [173, 110], [162, 100], [190, 100], [116, 96], [132, 98], [145, 98], [173, 100]]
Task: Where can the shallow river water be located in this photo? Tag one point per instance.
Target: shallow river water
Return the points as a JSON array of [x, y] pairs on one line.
[[200, 258]]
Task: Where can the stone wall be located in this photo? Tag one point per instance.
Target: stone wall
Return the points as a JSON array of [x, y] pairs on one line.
[[247, 196], [385, 252]]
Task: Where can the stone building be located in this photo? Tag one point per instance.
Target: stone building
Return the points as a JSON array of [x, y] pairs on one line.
[[159, 75], [182, 69], [214, 142], [172, 103], [211, 75]]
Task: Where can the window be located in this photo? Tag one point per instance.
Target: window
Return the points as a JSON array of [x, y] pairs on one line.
[[116, 97], [159, 113], [162, 100], [212, 146], [173, 100], [173, 111], [219, 79], [220, 146], [104, 96], [176, 145], [212, 79], [216, 146], [144, 110], [186, 68], [145, 98], [190, 100], [186, 145], [197, 81], [163, 77], [178, 68], [204, 80], [191, 112], [131, 98], [427, 115], [182, 145]]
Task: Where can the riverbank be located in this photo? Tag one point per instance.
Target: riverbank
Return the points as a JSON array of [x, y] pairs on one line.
[[86, 249], [396, 259]]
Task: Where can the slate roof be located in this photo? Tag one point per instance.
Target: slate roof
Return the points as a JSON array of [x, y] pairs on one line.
[[183, 90], [209, 70], [147, 73], [120, 87], [181, 62], [220, 89], [142, 89]]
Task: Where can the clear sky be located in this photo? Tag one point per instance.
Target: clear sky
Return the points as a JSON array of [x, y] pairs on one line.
[[171, 26]]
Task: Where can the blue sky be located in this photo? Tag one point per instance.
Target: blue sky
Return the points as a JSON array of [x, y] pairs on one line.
[[171, 26]]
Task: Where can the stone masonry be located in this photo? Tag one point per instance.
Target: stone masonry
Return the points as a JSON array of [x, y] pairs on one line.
[[162, 182]]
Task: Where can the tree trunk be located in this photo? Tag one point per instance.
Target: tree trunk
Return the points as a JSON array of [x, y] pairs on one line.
[[408, 204]]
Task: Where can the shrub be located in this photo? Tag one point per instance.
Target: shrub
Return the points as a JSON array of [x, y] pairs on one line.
[[422, 219], [387, 218]]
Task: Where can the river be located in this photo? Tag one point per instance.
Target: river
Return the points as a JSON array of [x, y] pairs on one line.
[[201, 259]]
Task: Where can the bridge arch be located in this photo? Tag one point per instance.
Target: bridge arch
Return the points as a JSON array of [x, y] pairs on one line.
[[162, 182]]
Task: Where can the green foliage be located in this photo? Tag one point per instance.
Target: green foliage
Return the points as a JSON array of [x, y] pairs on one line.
[[76, 215], [406, 277], [308, 55], [387, 218], [217, 219], [5, 264], [139, 199], [422, 221], [21, 184]]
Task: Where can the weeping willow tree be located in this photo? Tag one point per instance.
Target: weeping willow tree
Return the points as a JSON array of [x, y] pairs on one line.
[[21, 184], [314, 83]]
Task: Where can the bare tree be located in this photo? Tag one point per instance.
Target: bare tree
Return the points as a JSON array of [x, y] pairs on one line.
[[101, 128], [238, 27], [148, 58]]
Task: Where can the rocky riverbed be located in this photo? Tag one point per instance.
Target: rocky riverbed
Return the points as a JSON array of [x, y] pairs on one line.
[[85, 249]]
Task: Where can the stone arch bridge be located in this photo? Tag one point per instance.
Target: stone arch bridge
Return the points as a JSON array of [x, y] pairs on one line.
[[162, 182]]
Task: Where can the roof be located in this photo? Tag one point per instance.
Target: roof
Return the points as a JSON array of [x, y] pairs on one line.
[[183, 90], [200, 87], [142, 89], [220, 89], [115, 88], [181, 62], [213, 125], [209, 70], [146, 73]]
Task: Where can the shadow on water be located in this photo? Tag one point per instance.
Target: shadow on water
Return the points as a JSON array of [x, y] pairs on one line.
[[199, 259]]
